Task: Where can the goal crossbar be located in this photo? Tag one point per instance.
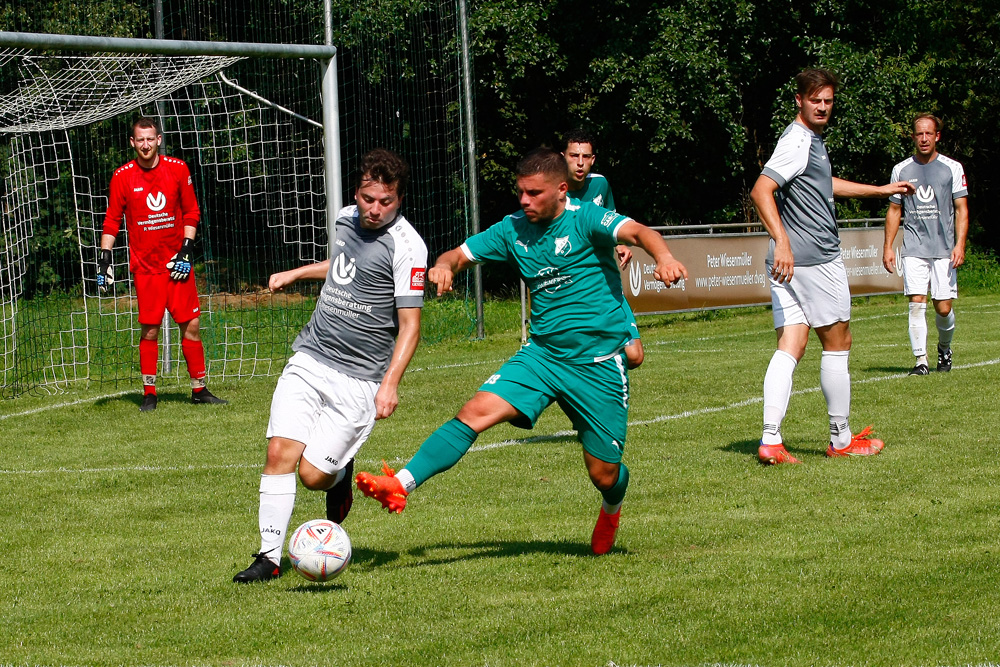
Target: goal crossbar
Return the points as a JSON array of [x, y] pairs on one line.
[[167, 47]]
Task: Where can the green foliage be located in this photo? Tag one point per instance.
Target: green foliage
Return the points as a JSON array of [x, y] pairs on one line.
[[980, 274], [106, 18], [687, 98]]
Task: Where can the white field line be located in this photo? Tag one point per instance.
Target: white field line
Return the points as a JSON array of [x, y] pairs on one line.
[[507, 443], [92, 399], [488, 446], [56, 406]]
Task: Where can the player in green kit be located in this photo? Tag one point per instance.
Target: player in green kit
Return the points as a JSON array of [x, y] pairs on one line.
[[580, 152], [563, 249]]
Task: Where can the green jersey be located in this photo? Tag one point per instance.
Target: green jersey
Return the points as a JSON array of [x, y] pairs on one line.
[[569, 265], [597, 190]]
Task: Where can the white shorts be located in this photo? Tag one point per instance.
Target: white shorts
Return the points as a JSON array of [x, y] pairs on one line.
[[919, 273], [816, 295], [331, 413]]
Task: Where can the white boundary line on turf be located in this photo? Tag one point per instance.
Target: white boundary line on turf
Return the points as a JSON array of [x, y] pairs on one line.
[[705, 411], [494, 445], [475, 363], [90, 399]]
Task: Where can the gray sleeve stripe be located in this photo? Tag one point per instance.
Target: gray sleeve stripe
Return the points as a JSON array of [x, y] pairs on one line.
[[409, 302], [774, 176]]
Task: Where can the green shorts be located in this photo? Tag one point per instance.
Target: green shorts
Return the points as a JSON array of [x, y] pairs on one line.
[[633, 326], [594, 396]]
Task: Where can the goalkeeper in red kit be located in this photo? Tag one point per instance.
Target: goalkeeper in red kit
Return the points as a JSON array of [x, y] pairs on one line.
[[155, 196]]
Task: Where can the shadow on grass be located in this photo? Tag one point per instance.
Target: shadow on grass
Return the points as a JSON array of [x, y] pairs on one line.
[[749, 448], [443, 553], [317, 587], [890, 369], [135, 398]]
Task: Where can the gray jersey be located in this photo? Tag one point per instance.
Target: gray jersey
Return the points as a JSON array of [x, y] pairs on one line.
[[929, 213], [372, 273], [801, 168]]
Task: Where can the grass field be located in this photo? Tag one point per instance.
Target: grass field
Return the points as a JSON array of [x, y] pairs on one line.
[[121, 532]]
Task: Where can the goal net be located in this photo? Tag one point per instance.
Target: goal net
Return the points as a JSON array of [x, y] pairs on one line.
[[249, 131]]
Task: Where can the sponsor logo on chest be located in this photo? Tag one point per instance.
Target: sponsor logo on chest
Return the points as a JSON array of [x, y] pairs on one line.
[[156, 202]]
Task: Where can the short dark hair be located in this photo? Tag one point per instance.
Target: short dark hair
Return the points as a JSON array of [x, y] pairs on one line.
[[931, 117], [542, 161], [579, 136], [810, 80], [385, 167], [146, 121]]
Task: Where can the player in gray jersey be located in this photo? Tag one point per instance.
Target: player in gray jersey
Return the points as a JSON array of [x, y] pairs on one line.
[[935, 226], [349, 358], [794, 198]]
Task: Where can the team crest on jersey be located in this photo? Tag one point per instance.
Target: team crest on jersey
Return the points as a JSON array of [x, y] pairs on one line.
[[156, 202], [343, 270], [417, 278], [599, 200], [563, 246], [925, 194]]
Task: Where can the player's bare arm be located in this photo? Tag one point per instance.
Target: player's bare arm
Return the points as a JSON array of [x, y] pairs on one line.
[[281, 280], [892, 220], [624, 255], [852, 190], [961, 231], [668, 270], [447, 266], [762, 197], [387, 397]]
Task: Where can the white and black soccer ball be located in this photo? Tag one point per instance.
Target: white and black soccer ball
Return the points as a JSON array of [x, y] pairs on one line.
[[319, 550]]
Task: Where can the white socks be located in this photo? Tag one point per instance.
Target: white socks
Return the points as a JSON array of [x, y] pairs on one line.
[[946, 329], [277, 500], [777, 391], [918, 329], [835, 380], [405, 478]]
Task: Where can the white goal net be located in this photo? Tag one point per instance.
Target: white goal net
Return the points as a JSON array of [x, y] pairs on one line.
[[63, 130]]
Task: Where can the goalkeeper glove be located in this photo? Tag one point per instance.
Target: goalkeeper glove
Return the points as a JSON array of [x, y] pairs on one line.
[[180, 264], [105, 274]]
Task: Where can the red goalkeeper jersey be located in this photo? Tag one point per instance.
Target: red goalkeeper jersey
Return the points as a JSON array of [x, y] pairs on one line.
[[157, 205]]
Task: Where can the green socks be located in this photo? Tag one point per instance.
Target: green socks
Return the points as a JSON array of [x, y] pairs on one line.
[[616, 494], [442, 450]]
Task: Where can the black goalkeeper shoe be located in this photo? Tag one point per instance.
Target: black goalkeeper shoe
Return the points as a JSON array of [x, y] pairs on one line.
[[148, 403], [205, 397], [340, 496], [262, 569]]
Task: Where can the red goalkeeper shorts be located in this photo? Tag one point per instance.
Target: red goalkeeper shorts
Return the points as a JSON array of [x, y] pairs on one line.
[[158, 293]]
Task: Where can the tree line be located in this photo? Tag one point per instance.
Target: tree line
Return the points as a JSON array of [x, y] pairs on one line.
[[687, 97]]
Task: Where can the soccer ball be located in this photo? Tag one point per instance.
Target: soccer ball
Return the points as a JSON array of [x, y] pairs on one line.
[[319, 550]]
